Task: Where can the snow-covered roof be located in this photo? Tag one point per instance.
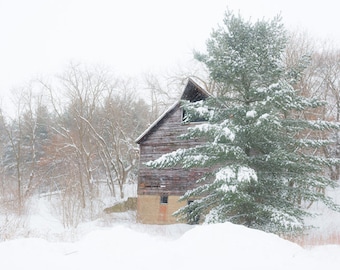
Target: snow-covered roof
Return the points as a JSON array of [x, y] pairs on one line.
[[192, 92]]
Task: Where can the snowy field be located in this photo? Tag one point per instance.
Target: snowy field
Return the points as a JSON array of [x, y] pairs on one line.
[[221, 246], [123, 244]]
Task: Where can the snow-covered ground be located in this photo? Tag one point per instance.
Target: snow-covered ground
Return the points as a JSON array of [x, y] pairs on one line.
[[221, 246], [326, 223], [119, 243]]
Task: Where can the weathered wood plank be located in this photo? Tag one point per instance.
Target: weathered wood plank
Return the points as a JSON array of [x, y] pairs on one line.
[[164, 139]]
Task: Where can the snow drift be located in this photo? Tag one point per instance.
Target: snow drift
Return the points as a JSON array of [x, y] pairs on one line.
[[219, 246]]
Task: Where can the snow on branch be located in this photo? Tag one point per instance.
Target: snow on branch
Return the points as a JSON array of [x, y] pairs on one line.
[[219, 132], [167, 160], [288, 221], [230, 177]]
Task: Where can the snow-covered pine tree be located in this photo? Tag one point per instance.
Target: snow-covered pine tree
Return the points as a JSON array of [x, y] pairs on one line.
[[264, 167]]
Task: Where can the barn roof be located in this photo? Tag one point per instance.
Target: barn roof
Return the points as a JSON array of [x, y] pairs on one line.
[[192, 92]]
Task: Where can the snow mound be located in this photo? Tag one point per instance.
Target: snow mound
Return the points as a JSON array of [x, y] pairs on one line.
[[237, 246], [219, 246]]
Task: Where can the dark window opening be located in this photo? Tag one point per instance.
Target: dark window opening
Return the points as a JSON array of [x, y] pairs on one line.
[[193, 218], [164, 199], [193, 119]]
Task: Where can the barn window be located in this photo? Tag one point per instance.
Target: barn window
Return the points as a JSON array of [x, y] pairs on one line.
[[164, 199], [193, 118]]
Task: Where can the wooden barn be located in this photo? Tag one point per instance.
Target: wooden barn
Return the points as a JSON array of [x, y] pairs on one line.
[[159, 190]]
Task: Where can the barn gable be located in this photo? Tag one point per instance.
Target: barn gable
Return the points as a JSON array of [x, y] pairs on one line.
[[160, 189], [192, 92]]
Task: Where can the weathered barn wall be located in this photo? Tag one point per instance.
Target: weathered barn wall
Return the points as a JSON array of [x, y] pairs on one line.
[[164, 139], [161, 138]]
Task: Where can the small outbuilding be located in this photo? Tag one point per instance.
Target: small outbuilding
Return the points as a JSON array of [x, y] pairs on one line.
[[159, 190]]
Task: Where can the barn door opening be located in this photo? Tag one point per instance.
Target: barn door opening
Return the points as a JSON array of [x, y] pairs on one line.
[[163, 209], [193, 219]]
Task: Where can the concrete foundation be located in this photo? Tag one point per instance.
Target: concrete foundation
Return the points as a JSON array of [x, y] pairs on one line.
[[151, 209]]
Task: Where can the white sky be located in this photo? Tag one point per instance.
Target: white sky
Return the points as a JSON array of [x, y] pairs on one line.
[[40, 37]]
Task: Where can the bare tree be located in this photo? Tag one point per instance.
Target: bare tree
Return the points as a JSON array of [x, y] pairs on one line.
[[122, 119], [319, 80], [97, 120], [327, 75], [21, 157], [160, 96], [2, 155], [84, 90]]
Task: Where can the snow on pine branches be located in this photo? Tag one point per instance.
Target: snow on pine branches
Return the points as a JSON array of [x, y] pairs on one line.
[[266, 162]]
